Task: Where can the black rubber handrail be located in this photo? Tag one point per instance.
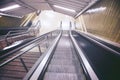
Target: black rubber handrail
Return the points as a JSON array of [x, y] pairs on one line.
[[35, 41], [14, 33], [17, 34], [19, 31], [105, 62], [100, 44], [38, 70], [112, 46], [88, 70], [5, 30]]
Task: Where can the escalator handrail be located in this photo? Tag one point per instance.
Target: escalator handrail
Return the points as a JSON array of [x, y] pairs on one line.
[[14, 34], [13, 30], [38, 70], [11, 33], [89, 72], [34, 43], [100, 44], [19, 32], [11, 36], [113, 45], [100, 39]]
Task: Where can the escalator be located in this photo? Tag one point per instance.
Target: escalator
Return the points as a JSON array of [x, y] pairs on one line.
[[70, 57], [64, 64], [20, 58], [105, 63], [13, 35], [60, 62], [108, 44], [5, 30], [15, 45]]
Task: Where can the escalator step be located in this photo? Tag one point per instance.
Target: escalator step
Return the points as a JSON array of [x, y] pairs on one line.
[[61, 62], [61, 69], [62, 56], [60, 76], [64, 53], [64, 64]]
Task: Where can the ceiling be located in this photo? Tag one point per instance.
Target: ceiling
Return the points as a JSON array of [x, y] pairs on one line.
[[28, 6]]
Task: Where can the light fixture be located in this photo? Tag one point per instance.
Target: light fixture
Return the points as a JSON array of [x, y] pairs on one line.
[[13, 45], [71, 10], [10, 7], [96, 10]]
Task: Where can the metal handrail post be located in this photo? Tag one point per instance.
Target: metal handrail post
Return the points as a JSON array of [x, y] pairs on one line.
[[23, 63]]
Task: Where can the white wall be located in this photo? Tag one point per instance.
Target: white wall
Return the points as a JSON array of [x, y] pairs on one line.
[[50, 20]]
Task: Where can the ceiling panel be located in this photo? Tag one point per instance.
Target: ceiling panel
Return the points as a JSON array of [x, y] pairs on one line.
[[38, 4], [41, 6], [77, 5], [18, 12], [21, 11], [28, 6], [64, 12]]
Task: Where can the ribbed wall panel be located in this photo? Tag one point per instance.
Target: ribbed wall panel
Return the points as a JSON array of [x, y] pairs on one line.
[[106, 23]]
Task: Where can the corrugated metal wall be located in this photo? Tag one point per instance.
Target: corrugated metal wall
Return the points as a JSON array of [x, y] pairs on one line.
[[16, 22], [9, 22], [105, 23]]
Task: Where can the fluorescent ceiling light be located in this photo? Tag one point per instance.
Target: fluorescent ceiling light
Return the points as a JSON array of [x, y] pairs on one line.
[[13, 45], [71, 10], [10, 7], [96, 10]]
